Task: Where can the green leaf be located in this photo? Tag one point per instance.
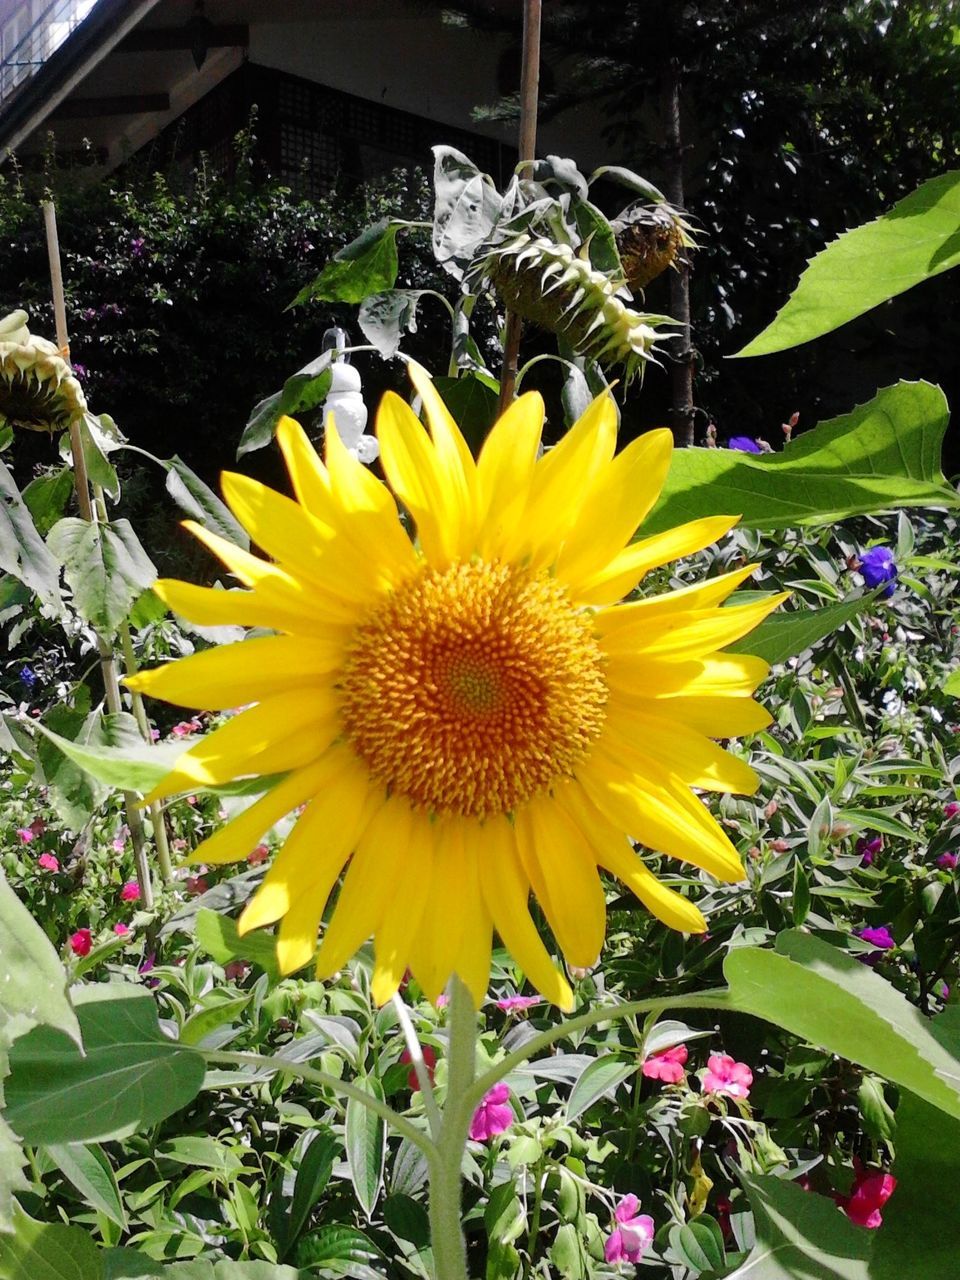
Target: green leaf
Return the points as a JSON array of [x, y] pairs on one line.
[[366, 1140], [883, 456], [130, 1076], [313, 1174], [134, 766], [698, 1247], [408, 1220], [98, 437], [47, 1251], [33, 983], [632, 181], [466, 208], [788, 632], [217, 935], [22, 551], [366, 265], [304, 390], [801, 1236], [335, 1244], [89, 1170], [218, 1008], [47, 497], [827, 997], [134, 1264], [385, 317], [473, 400], [105, 566], [567, 1253], [920, 1236], [917, 239], [597, 232], [952, 684], [199, 501], [875, 1111], [600, 1078]]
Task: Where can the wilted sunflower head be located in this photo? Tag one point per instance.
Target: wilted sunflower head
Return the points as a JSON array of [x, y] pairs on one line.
[[38, 391], [471, 717], [649, 238]]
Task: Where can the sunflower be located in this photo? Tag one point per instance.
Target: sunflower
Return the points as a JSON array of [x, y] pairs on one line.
[[472, 715], [38, 390]]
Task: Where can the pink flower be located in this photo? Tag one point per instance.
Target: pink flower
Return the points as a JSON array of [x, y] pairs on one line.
[[120, 839], [130, 891], [871, 1191], [48, 862], [511, 1004], [185, 728], [81, 942], [493, 1115], [196, 884], [951, 810], [429, 1061], [235, 970], [260, 854], [442, 1001], [666, 1065], [725, 1075], [25, 834], [633, 1234], [154, 735], [948, 861], [121, 929]]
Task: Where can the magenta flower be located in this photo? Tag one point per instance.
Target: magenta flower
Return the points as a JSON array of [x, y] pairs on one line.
[[871, 1191], [130, 891], [429, 1061], [494, 1114], [951, 809], [121, 929], [185, 728], [81, 942], [725, 1075], [511, 1004], [666, 1065], [867, 850], [260, 854], [948, 861], [743, 444], [633, 1234], [48, 862], [880, 937], [25, 834]]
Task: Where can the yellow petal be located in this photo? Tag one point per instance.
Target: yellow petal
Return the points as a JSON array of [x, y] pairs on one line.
[[473, 960], [576, 907], [640, 740], [505, 470], [236, 838], [216, 608], [307, 473], [672, 908], [410, 464], [284, 732], [716, 717], [626, 568], [406, 916], [621, 497], [704, 632], [435, 947], [454, 459], [235, 674], [505, 891], [635, 616]]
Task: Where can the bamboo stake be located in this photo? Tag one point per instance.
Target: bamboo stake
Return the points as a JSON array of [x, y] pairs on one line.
[[529, 89], [81, 480]]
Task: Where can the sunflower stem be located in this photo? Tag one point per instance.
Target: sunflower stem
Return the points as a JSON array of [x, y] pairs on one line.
[[446, 1160]]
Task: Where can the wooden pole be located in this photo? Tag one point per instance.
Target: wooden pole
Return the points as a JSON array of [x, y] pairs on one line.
[[81, 481], [529, 90], [682, 418]]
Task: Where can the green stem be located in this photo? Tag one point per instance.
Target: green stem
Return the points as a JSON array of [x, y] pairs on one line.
[[446, 1160], [399, 1123], [419, 1066], [540, 1175], [143, 724], [717, 999]]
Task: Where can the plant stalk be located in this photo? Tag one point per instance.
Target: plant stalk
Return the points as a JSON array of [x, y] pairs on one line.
[[446, 1159], [81, 481]]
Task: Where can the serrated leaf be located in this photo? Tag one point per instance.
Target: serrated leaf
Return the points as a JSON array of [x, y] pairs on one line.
[[130, 1076], [883, 456], [105, 566], [22, 551], [466, 209], [789, 632], [199, 501], [335, 1244], [366, 265], [47, 497], [917, 239], [366, 1141], [134, 766]]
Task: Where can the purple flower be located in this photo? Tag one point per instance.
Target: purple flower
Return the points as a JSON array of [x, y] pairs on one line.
[[79, 371], [878, 567], [493, 1115], [948, 861], [743, 444], [136, 246], [880, 937], [28, 677], [868, 849]]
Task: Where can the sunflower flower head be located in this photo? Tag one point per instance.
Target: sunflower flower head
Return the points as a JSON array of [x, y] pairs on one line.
[[471, 716], [38, 391]]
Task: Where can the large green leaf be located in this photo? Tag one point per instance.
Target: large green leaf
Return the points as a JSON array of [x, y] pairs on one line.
[[89, 1170], [790, 631], [133, 1264], [801, 1236], [48, 1251], [366, 1140], [466, 208], [22, 552], [33, 984], [918, 238], [827, 997], [385, 317], [883, 456], [366, 265], [117, 755], [105, 566], [130, 1076], [304, 390]]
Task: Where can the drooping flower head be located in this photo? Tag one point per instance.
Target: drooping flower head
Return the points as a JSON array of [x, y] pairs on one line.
[[633, 1234], [725, 1075], [471, 716], [37, 388], [871, 1190], [493, 1116], [878, 567]]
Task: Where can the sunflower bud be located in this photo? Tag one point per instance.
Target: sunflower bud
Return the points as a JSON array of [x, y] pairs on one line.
[[38, 391], [649, 237]]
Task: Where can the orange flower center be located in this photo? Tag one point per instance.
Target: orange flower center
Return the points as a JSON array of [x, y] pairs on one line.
[[471, 689]]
